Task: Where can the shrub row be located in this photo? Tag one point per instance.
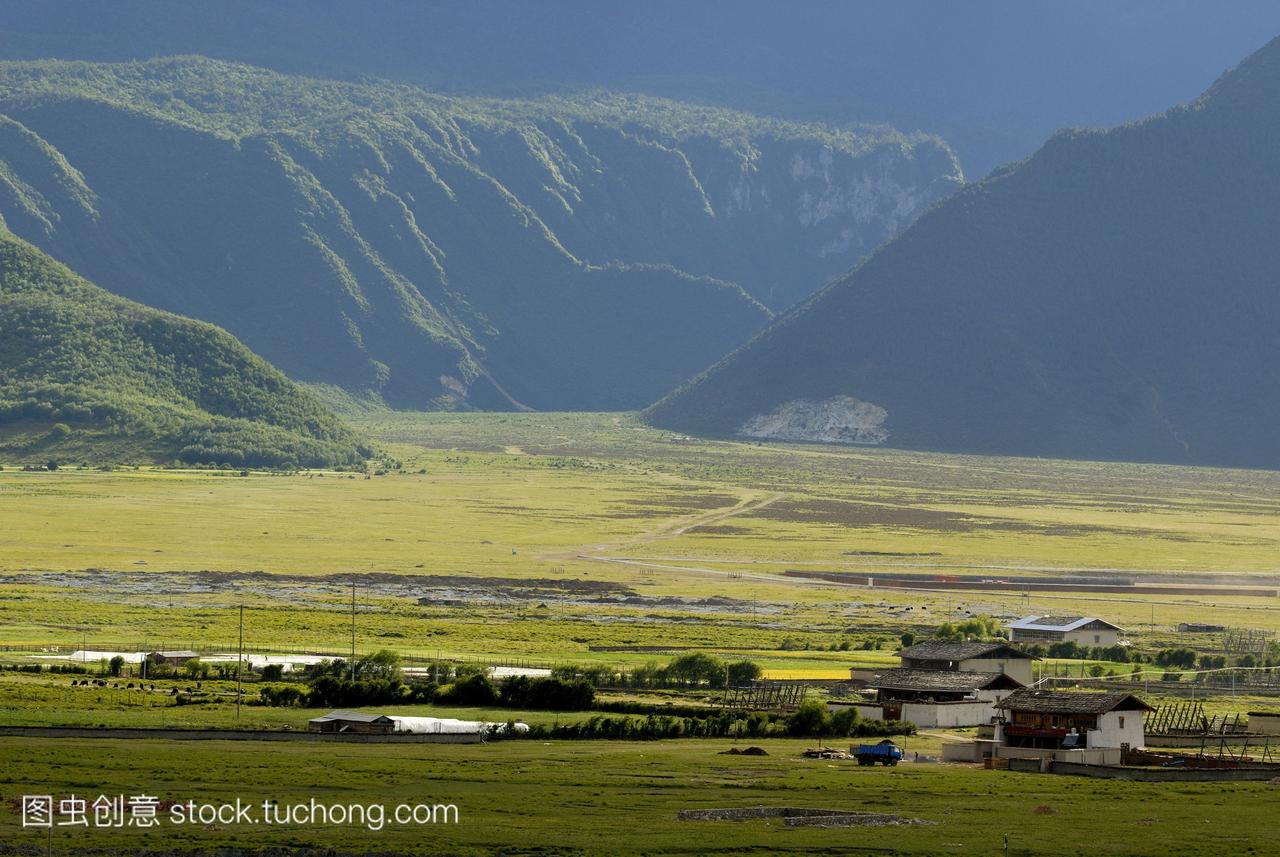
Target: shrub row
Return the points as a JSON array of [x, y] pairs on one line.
[[539, 694], [809, 721]]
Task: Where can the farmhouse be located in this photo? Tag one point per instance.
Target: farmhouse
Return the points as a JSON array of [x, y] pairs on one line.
[[1062, 726], [969, 656], [1082, 630], [942, 683], [939, 698], [1072, 720]]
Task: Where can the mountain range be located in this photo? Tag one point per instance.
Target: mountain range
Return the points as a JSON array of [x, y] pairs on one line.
[[994, 78], [1113, 296], [430, 252]]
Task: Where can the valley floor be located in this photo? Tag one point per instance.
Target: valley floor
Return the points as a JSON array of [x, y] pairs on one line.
[[551, 539]]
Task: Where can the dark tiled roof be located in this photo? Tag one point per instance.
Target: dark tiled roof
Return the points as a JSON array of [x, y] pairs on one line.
[[1071, 702], [943, 650], [952, 681]]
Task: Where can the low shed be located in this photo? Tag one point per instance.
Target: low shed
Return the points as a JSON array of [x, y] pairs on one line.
[[352, 722]]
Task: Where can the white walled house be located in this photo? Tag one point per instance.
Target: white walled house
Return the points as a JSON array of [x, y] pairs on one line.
[[945, 683], [1082, 630], [1071, 720]]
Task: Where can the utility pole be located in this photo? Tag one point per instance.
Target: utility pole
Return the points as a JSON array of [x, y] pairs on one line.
[[239, 663], [353, 628]]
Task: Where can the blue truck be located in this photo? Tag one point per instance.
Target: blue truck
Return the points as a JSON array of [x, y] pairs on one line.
[[886, 753]]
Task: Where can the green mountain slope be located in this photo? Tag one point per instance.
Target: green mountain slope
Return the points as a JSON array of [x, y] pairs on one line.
[[559, 253], [1114, 296], [88, 376]]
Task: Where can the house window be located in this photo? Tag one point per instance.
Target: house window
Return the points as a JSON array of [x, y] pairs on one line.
[[1097, 638], [1122, 721]]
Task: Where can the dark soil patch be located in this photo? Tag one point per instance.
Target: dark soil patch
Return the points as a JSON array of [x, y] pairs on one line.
[[799, 816], [853, 513], [690, 502]]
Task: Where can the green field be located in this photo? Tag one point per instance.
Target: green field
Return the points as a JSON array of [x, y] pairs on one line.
[[622, 798]]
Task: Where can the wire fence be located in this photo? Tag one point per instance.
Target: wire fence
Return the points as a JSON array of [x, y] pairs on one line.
[[1259, 681]]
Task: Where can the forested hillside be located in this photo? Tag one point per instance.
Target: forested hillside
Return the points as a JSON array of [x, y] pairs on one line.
[[994, 78], [586, 252], [86, 376], [1114, 296]]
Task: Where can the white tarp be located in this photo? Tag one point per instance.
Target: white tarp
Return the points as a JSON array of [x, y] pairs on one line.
[[508, 672], [449, 726], [257, 662], [92, 657]]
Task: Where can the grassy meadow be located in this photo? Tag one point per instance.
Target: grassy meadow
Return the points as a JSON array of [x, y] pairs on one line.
[[605, 797], [541, 536]]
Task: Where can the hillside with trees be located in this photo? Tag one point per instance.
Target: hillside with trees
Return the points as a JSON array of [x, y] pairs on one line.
[[89, 377], [1113, 297]]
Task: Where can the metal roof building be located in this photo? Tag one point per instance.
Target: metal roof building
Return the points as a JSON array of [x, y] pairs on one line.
[[1083, 630]]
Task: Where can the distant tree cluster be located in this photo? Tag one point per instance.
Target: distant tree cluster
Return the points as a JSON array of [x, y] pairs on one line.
[[691, 671], [1071, 650], [810, 720], [977, 628], [377, 680]]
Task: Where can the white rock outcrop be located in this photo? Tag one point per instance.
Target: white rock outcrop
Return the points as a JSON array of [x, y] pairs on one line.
[[840, 419]]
